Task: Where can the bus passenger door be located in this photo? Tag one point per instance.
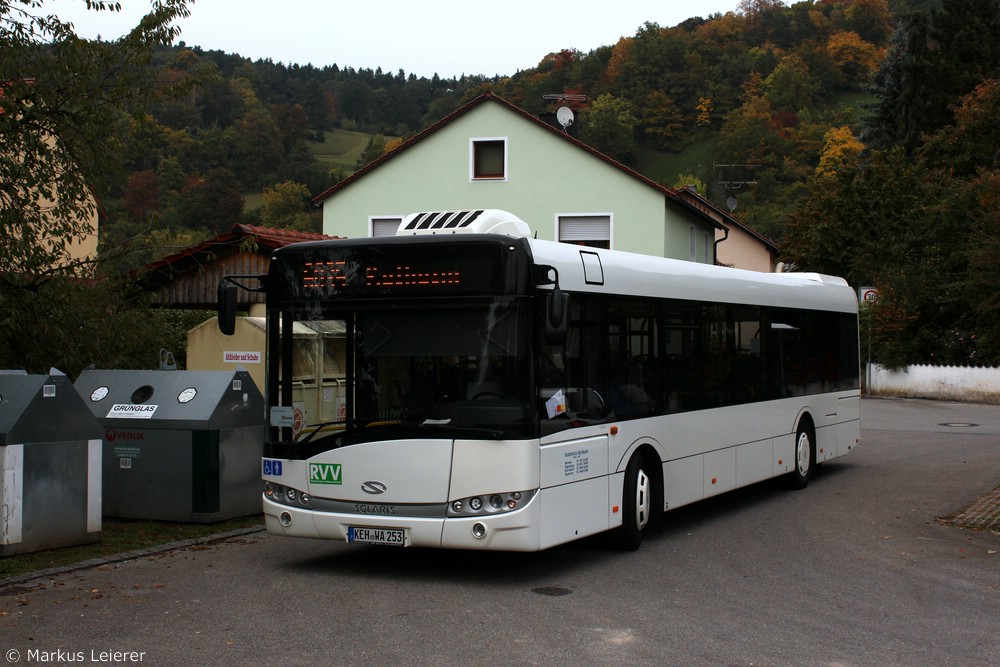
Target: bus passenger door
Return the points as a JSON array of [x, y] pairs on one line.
[[574, 489]]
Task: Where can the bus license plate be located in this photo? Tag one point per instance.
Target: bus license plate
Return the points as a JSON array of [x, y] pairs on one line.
[[388, 536]]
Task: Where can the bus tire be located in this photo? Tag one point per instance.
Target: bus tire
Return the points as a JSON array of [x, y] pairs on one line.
[[637, 505], [805, 457]]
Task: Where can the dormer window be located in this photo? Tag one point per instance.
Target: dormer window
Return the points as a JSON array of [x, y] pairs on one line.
[[489, 159]]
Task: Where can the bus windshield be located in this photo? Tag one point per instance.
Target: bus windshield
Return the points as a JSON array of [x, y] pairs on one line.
[[417, 368]]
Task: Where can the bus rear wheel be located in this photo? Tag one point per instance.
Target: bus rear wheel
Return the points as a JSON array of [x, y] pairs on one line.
[[637, 505], [805, 458]]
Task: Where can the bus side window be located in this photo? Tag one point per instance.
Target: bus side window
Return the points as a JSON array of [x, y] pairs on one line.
[[577, 368], [748, 371], [681, 386], [633, 353]]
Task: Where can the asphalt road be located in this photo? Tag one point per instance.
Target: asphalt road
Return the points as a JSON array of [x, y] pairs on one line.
[[854, 570]]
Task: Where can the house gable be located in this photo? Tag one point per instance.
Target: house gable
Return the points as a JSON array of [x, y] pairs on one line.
[[533, 170], [738, 245]]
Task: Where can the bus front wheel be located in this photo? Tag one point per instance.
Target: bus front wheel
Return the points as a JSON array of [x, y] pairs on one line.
[[637, 505], [805, 458]]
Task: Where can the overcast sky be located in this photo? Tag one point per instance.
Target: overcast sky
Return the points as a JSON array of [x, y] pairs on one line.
[[444, 37]]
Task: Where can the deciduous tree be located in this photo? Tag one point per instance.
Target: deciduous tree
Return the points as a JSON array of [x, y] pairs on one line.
[[257, 147], [610, 127], [662, 122], [840, 151], [64, 104], [286, 206], [855, 59]]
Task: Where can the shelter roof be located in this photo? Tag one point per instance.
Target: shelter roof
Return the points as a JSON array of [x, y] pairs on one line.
[[188, 278]]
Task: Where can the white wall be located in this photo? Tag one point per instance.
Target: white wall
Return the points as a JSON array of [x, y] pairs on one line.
[[955, 383]]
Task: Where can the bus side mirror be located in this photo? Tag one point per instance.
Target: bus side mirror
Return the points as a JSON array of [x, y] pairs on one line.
[[227, 308], [556, 317]]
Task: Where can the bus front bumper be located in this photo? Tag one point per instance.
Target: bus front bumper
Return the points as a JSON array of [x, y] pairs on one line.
[[509, 531]]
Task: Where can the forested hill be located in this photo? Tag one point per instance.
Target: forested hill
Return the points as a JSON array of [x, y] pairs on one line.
[[861, 140], [860, 135], [758, 87]]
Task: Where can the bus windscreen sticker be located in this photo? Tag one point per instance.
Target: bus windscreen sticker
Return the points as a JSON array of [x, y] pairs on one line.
[[556, 405]]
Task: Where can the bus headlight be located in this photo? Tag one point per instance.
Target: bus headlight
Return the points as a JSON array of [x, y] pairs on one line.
[[286, 495], [496, 503]]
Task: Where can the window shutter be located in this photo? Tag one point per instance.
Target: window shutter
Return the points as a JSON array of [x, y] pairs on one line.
[[385, 226], [585, 228]]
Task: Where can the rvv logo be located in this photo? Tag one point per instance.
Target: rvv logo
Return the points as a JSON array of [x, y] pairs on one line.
[[325, 473]]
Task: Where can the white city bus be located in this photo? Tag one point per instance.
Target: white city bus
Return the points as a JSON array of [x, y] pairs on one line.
[[501, 392]]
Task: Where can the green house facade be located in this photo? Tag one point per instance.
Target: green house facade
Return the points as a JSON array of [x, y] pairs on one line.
[[492, 154]]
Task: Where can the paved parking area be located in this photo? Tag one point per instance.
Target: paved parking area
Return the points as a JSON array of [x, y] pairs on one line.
[[861, 568]]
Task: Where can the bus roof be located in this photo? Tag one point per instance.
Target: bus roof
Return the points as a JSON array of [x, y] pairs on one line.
[[615, 272], [603, 271]]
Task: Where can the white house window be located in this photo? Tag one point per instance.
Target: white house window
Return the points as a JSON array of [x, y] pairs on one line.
[[489, 159], [592, 230], [385, 226]]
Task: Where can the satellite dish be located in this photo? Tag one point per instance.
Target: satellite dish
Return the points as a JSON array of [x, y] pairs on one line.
[[565, 116], [731, 203]]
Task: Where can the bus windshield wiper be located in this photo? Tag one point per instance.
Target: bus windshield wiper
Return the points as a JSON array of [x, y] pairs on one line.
[[316, 428]]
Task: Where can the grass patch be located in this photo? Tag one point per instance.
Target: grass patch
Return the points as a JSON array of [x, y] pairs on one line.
[[119, 536], [252, 201], [341, 149], [665, 168], [854, 102]]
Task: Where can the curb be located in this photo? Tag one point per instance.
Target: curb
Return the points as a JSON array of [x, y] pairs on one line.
[[14, 585]]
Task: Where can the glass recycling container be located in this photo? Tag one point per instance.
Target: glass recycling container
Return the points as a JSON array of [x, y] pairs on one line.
[[50, 460], [178, 445]]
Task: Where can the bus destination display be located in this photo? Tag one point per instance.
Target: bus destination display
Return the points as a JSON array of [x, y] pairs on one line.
[[335, 276], [346, 273]]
